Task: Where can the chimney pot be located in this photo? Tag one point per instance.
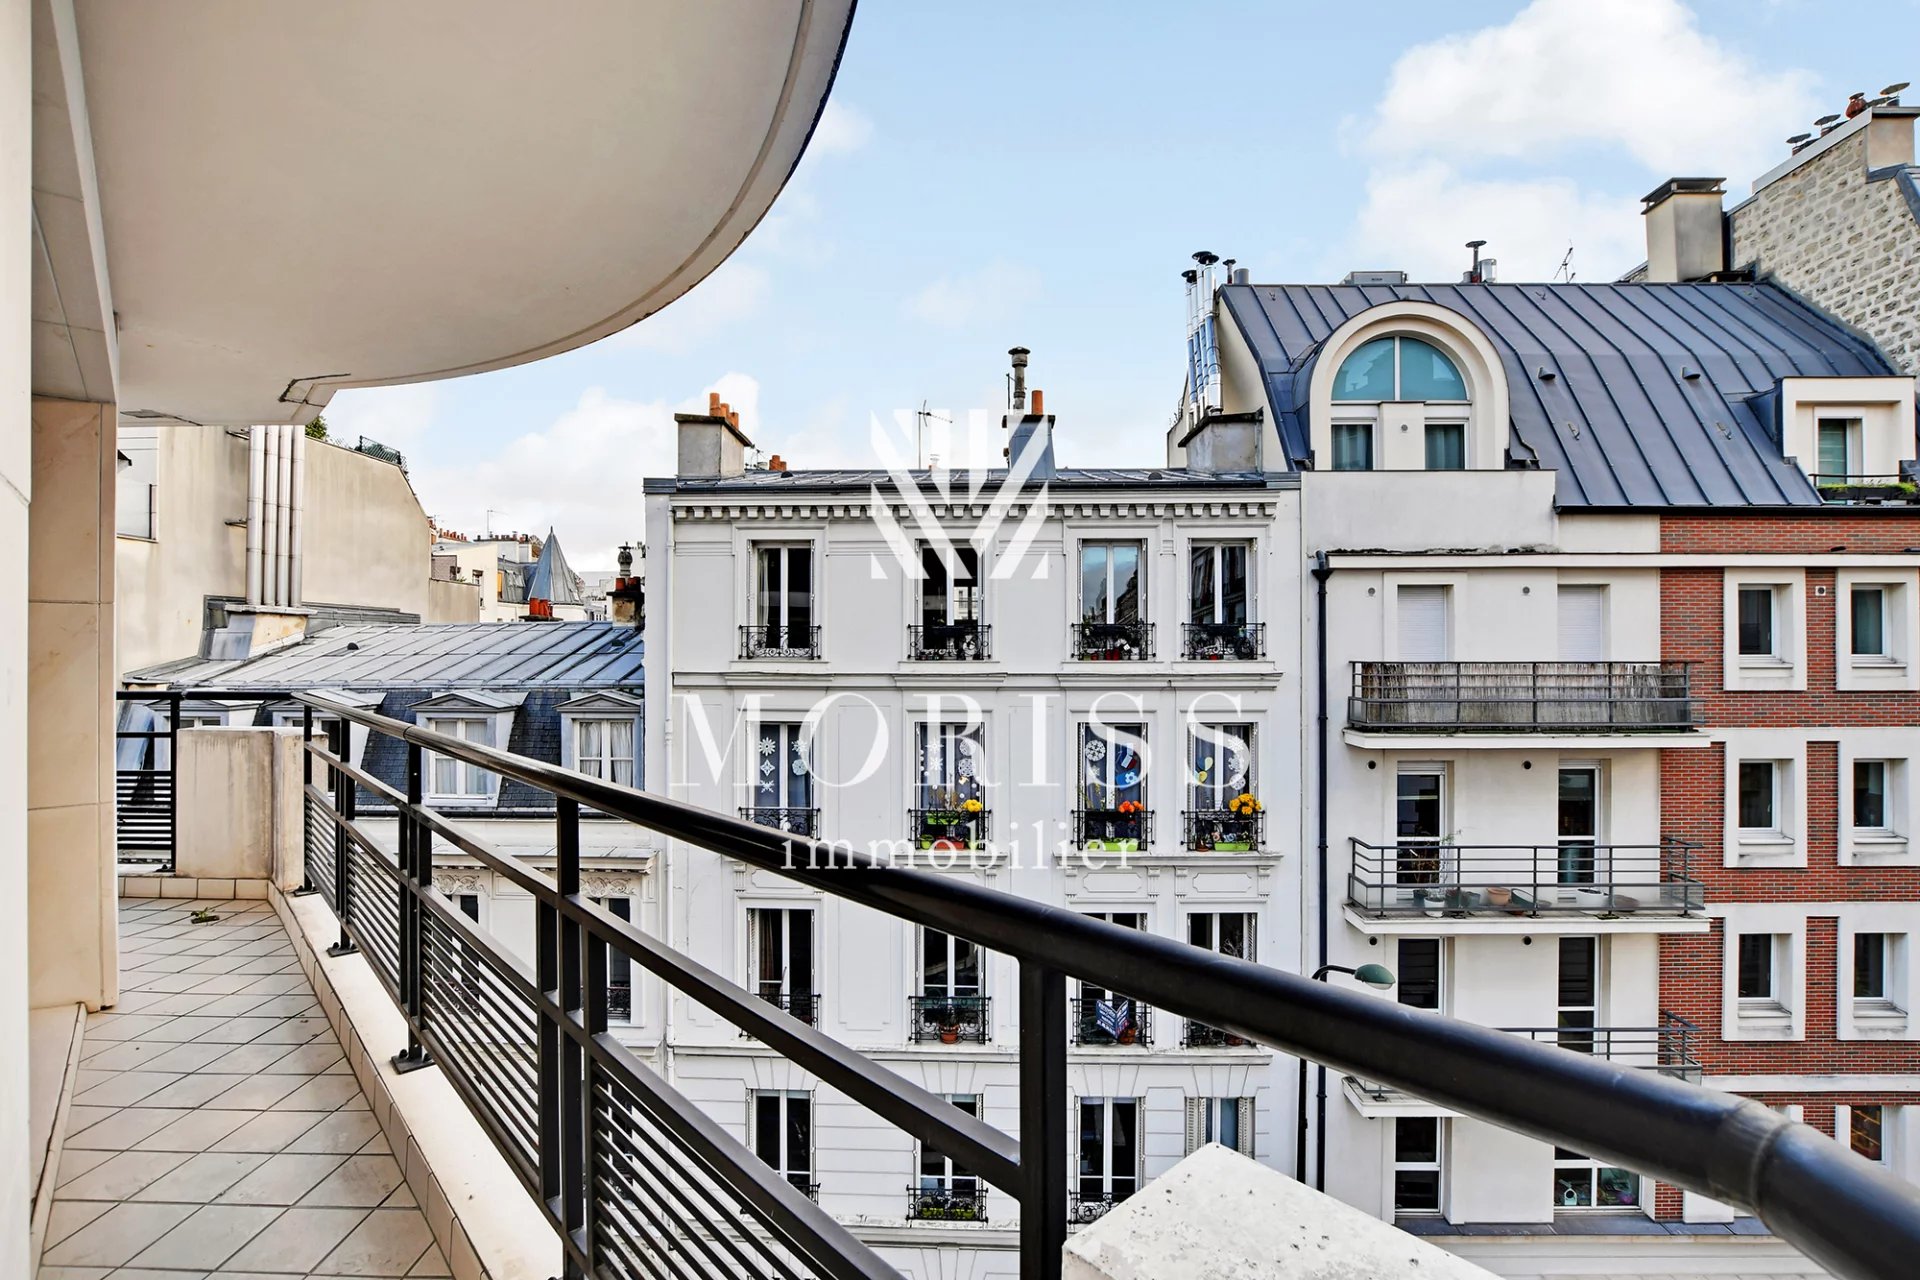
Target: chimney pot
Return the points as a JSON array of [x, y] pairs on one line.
[[1039, 404], [713, 404]]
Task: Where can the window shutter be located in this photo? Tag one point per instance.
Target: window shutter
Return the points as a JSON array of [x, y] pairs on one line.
[[1423, 624], [1583, 624], [1245, 1108], [1196, 1123]]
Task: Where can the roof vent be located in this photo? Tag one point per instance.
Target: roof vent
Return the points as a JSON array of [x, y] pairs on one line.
[[1375, 277]]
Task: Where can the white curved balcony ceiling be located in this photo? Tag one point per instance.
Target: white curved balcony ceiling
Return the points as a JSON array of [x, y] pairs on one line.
[[298, 198]]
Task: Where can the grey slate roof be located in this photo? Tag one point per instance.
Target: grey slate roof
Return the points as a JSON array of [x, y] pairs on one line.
[[854, 480], [438, 656], [552, 578], [1617, 421]]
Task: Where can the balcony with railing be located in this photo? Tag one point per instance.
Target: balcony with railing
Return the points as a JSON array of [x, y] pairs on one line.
[[1442, 881], [772, 641], [950, 642], [949, 1019], [1223, 641], [1222, 830], [1111, 1020], [1522, 697], [795, 822], [621, 1175], [1113, 641], [802, 1006], [958, 1200], [949, 830], [1836, 489], [1118, 830]]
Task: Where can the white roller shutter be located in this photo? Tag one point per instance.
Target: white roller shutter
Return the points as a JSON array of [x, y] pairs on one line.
[[1423, 624], [1583, 624]]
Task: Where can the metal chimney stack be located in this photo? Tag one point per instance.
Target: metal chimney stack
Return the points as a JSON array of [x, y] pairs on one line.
[[1019, 355]]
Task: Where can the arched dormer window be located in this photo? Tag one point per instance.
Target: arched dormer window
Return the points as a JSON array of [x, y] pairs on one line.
[[1424, 384]]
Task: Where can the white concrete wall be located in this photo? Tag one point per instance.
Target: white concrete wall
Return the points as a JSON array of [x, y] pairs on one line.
[[240, 813]]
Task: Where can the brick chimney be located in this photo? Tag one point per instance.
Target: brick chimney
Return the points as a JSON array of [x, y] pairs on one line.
[[712, 446], [1686, 235]]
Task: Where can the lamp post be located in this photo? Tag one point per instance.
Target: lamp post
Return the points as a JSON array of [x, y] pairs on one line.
[[1380, 978]]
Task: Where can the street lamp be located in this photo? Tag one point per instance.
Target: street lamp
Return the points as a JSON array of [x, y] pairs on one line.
[[1380, 978]]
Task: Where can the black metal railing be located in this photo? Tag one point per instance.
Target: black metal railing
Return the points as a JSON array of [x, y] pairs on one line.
[[1866, 490], [954, 1201], [1223, 641], [1668, 1049], [949, 1019], [1112, 1020], [948, 829], [1091, 1206], [620, 1001], [1555, 696], [1113, 830], [1200, 1035], [801, 1005], [775, 641], [1416, 877], [950, 642], [143, 778], [1113, 641], [639, 1181], [795, 822], [1222, 830]]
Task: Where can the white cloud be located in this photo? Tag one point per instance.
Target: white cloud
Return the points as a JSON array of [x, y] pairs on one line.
[[994, 292], [399, 417], [1639, 75], [840, 129], [1418, 218], [736, 291], [582, 475]]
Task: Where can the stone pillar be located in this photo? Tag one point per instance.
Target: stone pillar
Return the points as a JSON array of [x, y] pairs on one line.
[[72, 934]]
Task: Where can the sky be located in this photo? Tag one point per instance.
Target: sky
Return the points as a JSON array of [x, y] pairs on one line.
[[990, 175]]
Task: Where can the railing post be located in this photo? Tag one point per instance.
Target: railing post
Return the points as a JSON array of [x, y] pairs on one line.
[[413, 837], [1043, 1120], [343, 802], [574, 1106], [307, 886], [173, 780]]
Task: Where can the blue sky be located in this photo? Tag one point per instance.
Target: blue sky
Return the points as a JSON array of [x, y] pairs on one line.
[[993, 174]]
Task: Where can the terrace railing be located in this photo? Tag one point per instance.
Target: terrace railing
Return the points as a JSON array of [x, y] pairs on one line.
[[1113, 830], [960, 1199], [798, 822], [950, 642], [1113, 641], [639, 1181], [1558, 697], [774, 641], [1223, 641], [949, 1019], [1112, 1020], [1865, 490], [146, 743], [1668, 1049], [1418, 877]]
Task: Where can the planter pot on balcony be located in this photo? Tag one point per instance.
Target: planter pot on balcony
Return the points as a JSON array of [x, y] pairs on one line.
[[950, 1035], [948, 844], [1232, 846], [1113, 845], [1499, 897]]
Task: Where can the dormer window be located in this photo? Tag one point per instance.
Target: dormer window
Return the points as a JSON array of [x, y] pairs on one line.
[[481, 717], [1398, 369], [599, 734]]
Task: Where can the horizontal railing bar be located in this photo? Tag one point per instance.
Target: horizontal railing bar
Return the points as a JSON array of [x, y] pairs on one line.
[[1732, 1149]]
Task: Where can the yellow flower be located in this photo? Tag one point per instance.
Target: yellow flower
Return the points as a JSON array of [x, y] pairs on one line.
[[973, 806]]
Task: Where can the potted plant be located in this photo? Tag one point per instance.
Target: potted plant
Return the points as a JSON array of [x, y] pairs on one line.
[[1121, 825], [1128, 1034], [1236, 833]]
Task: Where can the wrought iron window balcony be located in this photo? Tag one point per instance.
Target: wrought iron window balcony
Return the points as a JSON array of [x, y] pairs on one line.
[[803, 1183], [619, 1001], [1570, 877], [775, 641], [1222, 830], [795, 822], [956, 1201], [1555, 697], [1113, 830], [801, 1004], [950, 642], [1091, 1206], [1669, 1049], [1113, 641], [1851, 490], [1127, 1021], [949, 1019], [1198, 1035], [1223, 641], [960, 828]]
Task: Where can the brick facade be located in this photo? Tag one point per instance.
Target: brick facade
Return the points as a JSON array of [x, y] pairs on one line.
[[1693, 789]]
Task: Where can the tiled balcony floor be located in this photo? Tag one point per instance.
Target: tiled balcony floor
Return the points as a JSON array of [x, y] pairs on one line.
[[216, 1130]]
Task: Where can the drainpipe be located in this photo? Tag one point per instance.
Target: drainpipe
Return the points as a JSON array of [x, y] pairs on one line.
[[256, 478], [1321, 572], [295, 591]]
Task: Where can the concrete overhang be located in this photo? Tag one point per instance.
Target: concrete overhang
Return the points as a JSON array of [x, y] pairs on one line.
[[272, 202]]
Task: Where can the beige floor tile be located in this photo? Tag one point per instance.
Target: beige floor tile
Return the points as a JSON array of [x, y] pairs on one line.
[[112, 1239], [387, 1243], [121, 1176], [208, 1238], [201, 1178], [360, 1182], [297, 1240], [268, 1131], [199, 1130], [284, 1179]]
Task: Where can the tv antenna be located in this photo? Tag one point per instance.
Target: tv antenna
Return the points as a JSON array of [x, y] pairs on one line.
[[1565, 271], [921, 428]]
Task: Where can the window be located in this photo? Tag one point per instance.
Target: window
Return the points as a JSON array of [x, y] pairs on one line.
[[1398, 369], [1836, 447], [1870, 966], [1756, 622], [1756, 968], [1869, 616], [1866, 1132], [780, 957], [1870, 809], [1230, 933], [1416, 1164], [1422, 623], [1579, 993], [1109, 1149], [619, 966], [1227, 1121], [1217, 583], [603, 748], [950, 589], [1420, 823], [782, 774], [1446, 446], [1110, 582], [1113, 787], [1580, 1182], [1353, 446], [1418, 970], [1583, 624], [951, 758], [1220, 770], [783, 1135], [783, 595], [1759, 795], [469, 904], [938, 1172], [1578, 806], [949, 966], [450, 779]]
